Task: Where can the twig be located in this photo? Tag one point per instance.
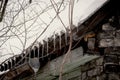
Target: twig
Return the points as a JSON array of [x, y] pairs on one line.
[[71, 5]]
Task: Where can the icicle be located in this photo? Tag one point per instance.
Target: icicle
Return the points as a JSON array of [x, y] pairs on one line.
[[61, 34], [60, 41], [7, 67], [39, 49], [34, 52], [21, 57], [57, 38], [13, 62], [4, 66], [47, 47], [26, 59], [66, 38], [29, 53], [10, 63], [24, 54], [54, 43], [42, 50]]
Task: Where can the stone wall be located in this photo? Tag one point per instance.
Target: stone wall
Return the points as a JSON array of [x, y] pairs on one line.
[[77, 67]]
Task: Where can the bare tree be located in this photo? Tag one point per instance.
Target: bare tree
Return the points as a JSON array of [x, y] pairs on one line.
[[71, 5], [22, 22]]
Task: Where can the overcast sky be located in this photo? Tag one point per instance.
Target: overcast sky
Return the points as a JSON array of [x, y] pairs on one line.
[[27, 21]]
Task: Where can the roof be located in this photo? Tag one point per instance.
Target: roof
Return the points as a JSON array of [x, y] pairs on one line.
[[81, 13]]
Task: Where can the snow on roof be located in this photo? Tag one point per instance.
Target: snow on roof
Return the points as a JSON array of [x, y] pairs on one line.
[[27, 21]]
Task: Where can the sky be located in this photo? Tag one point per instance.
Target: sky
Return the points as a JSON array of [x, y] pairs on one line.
[[24, 22]]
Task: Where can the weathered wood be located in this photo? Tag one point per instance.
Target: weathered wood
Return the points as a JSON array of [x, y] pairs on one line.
[[16, 73]]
